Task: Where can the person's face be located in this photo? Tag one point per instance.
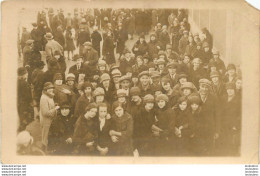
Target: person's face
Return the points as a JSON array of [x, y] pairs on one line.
[[215, 79], [190, 39], [79, 61], [161, 66], [102, 68], [169, 50], [57, 56], [230, 92], [166, 86], [238, 84], [88, 47], [116, 79], [106, 83], [87, 90], [141, 40], [58, 82], [183, 105], [215, 56], [92, 112], [122, 99], [186, 60], [152, 38], [50, 91], [135, 80], [155, 60], [125, 84], [80, 92], [196, 63], [139, 61], [102, 112], [119, 111], [146, 61], [183, 80], [151, 69], [172, 71], [127, 55], [194, 106], [186, 92], [149, 106], [206, 49], [156, 80], [204, 89], [213, 68], [158, 92], [100, 98], [135, 98], [144, 80], [231, 72], [65, 111], [161, 104], [129, 74], [70, 82]]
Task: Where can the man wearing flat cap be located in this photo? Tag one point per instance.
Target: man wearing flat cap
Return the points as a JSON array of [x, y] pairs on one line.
[[144, 85]]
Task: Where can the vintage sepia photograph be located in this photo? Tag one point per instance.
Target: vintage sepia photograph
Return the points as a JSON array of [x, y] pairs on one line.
[[129, 81]]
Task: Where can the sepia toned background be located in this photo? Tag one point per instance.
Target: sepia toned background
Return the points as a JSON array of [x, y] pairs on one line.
[[235, 29]]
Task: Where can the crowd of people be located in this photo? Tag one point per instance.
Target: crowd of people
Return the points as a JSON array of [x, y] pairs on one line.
[[171, 95]]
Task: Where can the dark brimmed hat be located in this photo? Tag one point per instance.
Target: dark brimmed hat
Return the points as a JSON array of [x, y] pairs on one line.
[[148, 98], [48, 85], [48, 36], [21, 71], [162, 97], [194, 99], [91, 106], [182, 75], [65, 105], [230, 85], [40, 64], [57, 76], [76, 57], [143, 73], [187, 85], [135, 91], [214, 74], [205, 82], [231, 66]]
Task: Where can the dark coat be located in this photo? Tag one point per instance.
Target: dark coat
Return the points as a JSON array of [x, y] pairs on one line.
[[152, 48], [73, 69], [108, 50], [24, 100], [83, 37], [121, 37], [104, 139], [183, 42], [196, 75], [59, 37], [61, 129], [96, 39], [69, 41], [142, 48], [37, 78], [92, 57], [81, 104], [124, 124], [206, 56], [86, 130], [124, 65], [164, 38]]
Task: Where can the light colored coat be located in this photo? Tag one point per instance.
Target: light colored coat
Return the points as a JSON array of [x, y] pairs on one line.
[[47, 110]]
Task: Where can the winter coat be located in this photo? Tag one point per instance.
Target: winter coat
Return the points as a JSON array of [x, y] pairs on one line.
[[47, 109], [86, 130], [61, 129], [108, 50], [183, 42], [96, 39], [124, 124], [142, 48], [69, 41]]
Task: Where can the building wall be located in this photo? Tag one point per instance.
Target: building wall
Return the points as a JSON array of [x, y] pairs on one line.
[[225, 27]]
